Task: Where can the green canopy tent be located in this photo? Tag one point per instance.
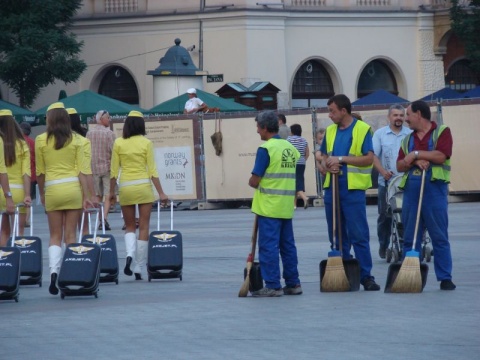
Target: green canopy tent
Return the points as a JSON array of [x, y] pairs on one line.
[[177, 104], [20, 114], [88, 103]]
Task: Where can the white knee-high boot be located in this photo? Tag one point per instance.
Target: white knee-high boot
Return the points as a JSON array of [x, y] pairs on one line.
[[130, 246], [141, 258], [55, 255]]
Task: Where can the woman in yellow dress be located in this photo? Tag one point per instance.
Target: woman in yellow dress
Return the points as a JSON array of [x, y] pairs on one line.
[[133, 156], [17, 160], [8, 206], [62, 176]]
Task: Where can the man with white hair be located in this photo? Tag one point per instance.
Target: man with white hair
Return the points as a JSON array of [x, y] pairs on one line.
[[193, 104], [102, 139]]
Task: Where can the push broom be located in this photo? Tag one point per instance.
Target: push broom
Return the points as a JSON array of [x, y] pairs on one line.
[[246, 283], [335, 279], [409, 278]]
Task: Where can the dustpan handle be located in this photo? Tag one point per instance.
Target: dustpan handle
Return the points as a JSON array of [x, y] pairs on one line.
[[334, 208], [339, 212]]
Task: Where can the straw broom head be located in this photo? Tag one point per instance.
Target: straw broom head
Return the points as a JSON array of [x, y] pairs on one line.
[[334, 279], [409, 278], [246, 283]]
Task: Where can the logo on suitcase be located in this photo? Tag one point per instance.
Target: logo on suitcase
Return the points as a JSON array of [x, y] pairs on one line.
[[98, 240], [164, 237], [80, 250], [24, 243], [5, 254]]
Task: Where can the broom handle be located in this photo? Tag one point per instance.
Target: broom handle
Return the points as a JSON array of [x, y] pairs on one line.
[[334, 221], [419, 209], [254, 237], [337, 196]]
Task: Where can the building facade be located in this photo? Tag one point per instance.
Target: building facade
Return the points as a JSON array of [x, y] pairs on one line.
[[309, 49]]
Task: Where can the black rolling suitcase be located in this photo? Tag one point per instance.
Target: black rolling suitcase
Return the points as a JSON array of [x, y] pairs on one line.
[[109, 259], [31, 253], [165, 251], [80, 270], [10, 263]]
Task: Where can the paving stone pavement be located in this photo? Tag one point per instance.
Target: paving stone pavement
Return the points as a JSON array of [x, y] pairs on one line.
[[201, 317]]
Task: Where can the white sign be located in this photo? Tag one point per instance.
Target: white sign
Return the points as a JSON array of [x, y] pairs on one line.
[[174, 165]]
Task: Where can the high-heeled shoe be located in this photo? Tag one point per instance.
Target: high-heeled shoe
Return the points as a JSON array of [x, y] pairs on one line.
[[127, 271], [305, 204], [138, 276], [53, 284]]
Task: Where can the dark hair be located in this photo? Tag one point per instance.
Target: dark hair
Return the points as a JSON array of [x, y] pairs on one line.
[[76, 125], [423, 107], [26, 128], [11, 134], [342, 102], [268, 120], [134, 125], [283, 118], [58, 127], [296, 129]]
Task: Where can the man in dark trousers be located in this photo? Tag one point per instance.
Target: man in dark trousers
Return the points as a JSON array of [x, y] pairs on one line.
[[273, 177], [347, 150], [429, 149]]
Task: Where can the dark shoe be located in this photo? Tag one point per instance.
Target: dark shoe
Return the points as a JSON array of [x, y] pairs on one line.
[[124, 227], [370, 285], [293, 290], [53, 284], [127, 270], [27, 224], [138, 276], [447, 285], [305, 204], [107, 226], [382, 252]]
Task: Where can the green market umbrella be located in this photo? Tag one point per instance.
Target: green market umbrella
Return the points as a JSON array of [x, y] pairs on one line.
[[20, 114], [177, 104], [88, 103]]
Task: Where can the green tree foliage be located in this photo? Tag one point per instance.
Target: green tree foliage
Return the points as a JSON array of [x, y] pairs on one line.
[[37, 47], [465, 16]]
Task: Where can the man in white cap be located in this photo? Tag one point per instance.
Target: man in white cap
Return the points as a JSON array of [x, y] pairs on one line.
[[193, 104]]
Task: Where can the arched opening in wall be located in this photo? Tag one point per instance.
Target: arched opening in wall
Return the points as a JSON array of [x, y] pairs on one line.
[[461, 77], [118, 84], [312, 85], [376, 76]]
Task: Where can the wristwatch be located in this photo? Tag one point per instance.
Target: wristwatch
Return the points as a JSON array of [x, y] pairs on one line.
[[8, 194], [416, 154], [340, 159]]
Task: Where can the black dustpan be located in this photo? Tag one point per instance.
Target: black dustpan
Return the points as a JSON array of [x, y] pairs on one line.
[[393, 270], [351, 266]]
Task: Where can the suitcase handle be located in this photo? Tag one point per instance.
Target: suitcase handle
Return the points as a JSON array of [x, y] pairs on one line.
[[90, 211], [159, 205]]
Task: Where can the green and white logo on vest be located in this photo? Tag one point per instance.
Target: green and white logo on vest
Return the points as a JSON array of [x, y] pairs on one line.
[[288, 159]]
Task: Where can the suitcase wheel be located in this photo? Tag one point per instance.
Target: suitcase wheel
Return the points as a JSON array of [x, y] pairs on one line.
[[180, 277], [149, 278], [96, 295], [62, 296], [16, 298], [116, 282]]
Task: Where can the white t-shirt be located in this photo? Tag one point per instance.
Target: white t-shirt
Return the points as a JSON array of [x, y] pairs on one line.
[[193, 103]]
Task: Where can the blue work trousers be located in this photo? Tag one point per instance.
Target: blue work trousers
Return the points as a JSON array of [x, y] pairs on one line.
[[354, 225], [433, 216], [275, 238], [384, 220]]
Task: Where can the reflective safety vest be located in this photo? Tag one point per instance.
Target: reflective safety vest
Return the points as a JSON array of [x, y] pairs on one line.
[[358, 177], [276, 190], [439, 171]]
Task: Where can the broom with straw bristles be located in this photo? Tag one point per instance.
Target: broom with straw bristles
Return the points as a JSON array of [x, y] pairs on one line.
[[409, 278], [335, 279], [246, 283]]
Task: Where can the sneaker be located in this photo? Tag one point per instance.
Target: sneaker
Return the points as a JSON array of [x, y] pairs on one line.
[[370, 285], [293, 290], [107, 226], [382, 252], [27, 224], [267, 292], [447, 285]]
